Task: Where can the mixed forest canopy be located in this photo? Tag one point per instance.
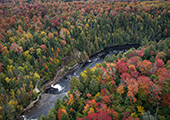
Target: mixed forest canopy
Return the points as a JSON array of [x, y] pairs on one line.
[[36, 37], [130, 86]]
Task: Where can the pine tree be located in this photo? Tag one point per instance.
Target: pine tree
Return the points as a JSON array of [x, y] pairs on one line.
[[64, 116], [94, 87], [93, 49], [89, 50], [119, 55], [96, 43], [83, 40], [97, 72], [16, 71], [10, 111], [85, 92], [2, 78], [27, 82], [10, 74], [43, 117], [19, 83], [81, 87], [64, 98], [144, 41], [47, 23], [57, 104], [81, 108], [102, 85], [74, 83], [81, 78], [49, 49], [99, 42], [51, 114]]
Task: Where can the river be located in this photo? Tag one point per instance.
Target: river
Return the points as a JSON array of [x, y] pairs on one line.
[[48, 99]]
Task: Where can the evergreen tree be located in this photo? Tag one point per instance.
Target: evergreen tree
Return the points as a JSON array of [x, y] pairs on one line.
[[102, 85], [64, 98], [85, 92], [49, 49], [144, 41], [16, 71], [93, 48], [51, 114], [73, 113], [57, 104], [43, 117], [19, 83], [10, 111], [83, 40], [119, 55], [10, 74], [96, 43], [2, 78], [81, 78], [81, 108], [93, 87], [97, 72], [27, 82], [81, 87], [64, 116], [89, 50], [74, 83]]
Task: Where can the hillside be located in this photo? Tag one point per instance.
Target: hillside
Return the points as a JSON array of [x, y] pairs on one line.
[[37, 36]]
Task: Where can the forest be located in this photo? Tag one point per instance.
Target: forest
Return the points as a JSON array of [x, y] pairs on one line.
[[37, 36]]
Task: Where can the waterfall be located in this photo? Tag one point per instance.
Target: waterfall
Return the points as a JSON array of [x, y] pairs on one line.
[[57, 86]]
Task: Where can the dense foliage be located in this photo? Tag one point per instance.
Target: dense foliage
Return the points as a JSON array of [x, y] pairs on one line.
[[127, 86], [35, 37]]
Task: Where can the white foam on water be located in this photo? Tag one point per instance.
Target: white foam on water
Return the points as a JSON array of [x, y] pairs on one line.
[[57, 86], [88, 60], [23, 116]]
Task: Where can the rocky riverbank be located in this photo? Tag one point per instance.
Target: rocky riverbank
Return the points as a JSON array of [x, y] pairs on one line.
[[46, 98]]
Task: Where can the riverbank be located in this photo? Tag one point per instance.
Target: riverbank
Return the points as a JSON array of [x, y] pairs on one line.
[[71, 69]]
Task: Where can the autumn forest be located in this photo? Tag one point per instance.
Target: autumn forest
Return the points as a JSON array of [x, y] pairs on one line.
[[37, 37]]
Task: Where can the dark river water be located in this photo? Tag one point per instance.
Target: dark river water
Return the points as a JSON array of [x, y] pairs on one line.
[[50, 96]]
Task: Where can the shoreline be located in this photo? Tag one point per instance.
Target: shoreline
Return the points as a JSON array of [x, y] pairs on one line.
[[60, 70]]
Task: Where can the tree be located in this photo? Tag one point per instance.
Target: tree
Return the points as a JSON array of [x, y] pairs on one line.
[[49, 49], [85, 92], [43, 117], [96, 42], [27, 82], [81, 87], [1, 67], [81, 108], [122, 67], [10, 111], [51, 114], [71, 99], [44, 48], [60, 112], [64, 99], [97, 116], [64, 116], [94, 87], [74, 83], [97, 72], [102, 85], [57, 104]]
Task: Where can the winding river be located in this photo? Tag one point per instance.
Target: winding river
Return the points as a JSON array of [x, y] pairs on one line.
[[61, 88]]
